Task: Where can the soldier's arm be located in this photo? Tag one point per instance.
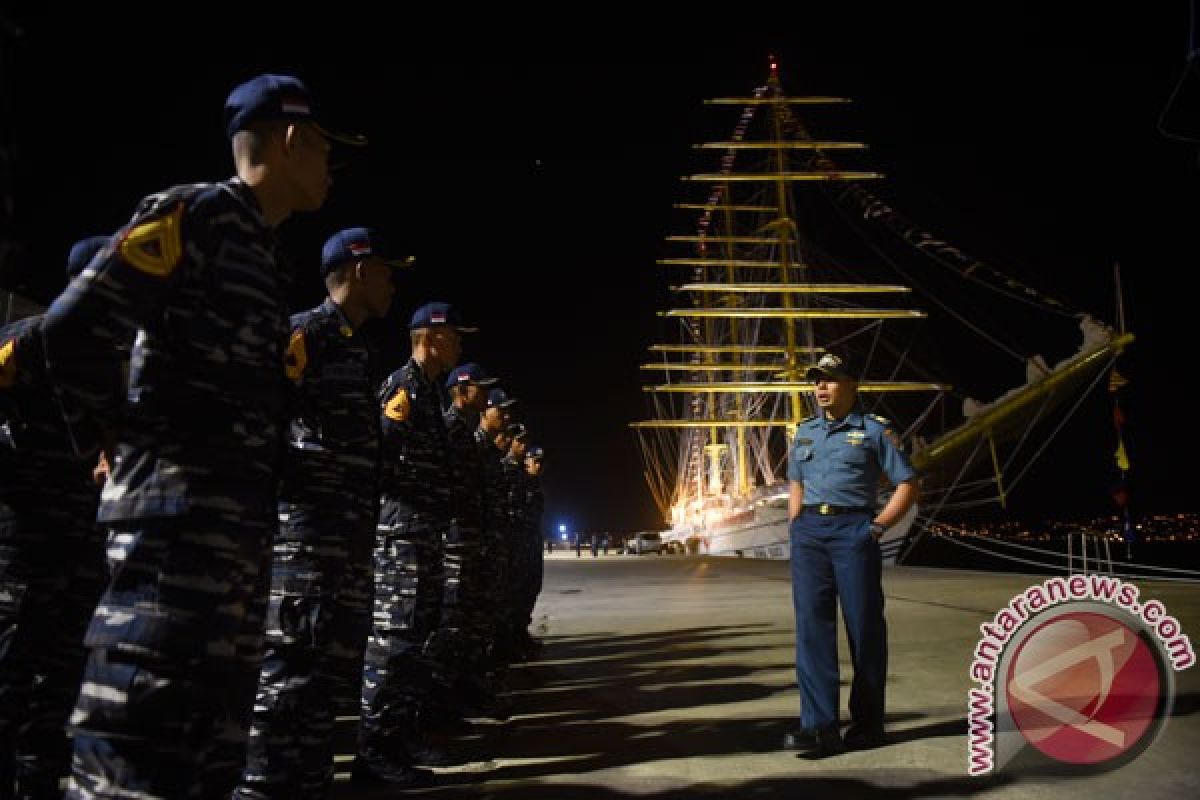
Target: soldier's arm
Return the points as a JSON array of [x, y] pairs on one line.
[[124, 288], [900, 472]]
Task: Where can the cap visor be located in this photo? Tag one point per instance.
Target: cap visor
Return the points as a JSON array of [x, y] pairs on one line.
[[486, 382], [465, 329], [398, 263], [815, 374], [352, 139]]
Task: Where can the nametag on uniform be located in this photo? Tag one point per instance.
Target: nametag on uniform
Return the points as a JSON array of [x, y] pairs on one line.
[[804, 441]]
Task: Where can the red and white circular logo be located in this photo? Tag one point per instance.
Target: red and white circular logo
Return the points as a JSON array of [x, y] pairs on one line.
[[1084, 688]]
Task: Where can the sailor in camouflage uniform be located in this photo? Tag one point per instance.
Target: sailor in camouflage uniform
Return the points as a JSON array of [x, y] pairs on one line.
[[415, 511], [517, 566], [176, 641], [493, 440], [457, 647], [532, 540], [316, 622], [51, 561]]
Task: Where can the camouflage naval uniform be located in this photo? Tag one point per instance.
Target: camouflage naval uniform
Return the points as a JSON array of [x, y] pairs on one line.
[[176, 640], [495, 542], [414, 513], [51, 569], [530, 587], [317, 618], [518, 566], [457, 647]]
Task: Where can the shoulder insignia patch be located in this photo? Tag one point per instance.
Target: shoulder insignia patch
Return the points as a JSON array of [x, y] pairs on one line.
[[884, 421], [8, 364], [155, 247], [399, 407], [296, 358]]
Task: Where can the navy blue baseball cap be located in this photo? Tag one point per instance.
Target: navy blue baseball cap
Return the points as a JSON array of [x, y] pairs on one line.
[[432, 314], [534, 452], [354, 244], [275, 97], [498, 398], [469, 374], [82, 253]]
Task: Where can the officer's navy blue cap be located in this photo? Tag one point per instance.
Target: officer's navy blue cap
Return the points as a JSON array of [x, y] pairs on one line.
[[432, 314], [534, 452], [469, 374], [517, 430], [498, 398], [354, 244], [270, 97], [830, 366], [82, 253]]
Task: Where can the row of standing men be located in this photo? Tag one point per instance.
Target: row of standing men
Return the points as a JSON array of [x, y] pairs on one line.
[[261, 496]]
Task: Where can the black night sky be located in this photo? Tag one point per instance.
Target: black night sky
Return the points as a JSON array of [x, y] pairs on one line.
[[530, 163]]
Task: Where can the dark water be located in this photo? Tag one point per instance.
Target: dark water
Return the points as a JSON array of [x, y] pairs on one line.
[[935, 551]]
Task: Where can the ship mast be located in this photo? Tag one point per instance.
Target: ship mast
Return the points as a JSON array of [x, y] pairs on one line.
[[750, 327]]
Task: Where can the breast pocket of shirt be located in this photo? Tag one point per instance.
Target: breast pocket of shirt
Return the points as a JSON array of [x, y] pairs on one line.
[[801, 460]]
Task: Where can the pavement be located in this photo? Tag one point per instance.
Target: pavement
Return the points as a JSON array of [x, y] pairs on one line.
[[673, 676]]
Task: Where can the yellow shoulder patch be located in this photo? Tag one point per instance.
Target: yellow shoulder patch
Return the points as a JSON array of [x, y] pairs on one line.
[[296, 358], [399, 407], [8, 364], [155, 247]]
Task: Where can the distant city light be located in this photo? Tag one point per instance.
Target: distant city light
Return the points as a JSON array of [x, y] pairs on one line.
[[562, 527], [564, 537]]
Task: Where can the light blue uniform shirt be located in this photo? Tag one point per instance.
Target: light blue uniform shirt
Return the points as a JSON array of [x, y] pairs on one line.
[[840, 461]]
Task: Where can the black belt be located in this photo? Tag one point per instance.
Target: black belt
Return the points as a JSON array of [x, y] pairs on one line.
[[827, 510]]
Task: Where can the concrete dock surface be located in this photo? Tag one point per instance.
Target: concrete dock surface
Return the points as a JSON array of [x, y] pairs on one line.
[[673, 676]]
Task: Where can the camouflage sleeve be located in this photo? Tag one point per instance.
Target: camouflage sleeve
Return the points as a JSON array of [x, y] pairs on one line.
[[124, 288]]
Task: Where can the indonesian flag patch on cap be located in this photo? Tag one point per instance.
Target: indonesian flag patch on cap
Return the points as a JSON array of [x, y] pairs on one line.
[[437, 318], [360, 248]]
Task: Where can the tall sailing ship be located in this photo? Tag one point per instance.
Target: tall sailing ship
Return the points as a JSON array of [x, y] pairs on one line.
[[762, 296]]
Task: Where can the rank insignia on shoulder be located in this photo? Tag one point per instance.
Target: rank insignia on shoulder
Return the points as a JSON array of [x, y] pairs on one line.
[[8, 363], [296, 358], [346, 330], [884, 421], [398, 408], [155, 247]]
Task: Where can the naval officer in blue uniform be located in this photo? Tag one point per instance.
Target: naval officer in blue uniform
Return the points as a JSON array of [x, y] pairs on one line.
[[834, 470]]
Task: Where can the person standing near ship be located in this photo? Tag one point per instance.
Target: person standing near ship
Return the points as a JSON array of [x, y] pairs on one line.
[[834, 468], [415, 511], [319, 611], [197, 280]]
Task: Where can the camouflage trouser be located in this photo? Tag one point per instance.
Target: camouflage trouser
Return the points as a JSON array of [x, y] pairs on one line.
[[531, 585], [175, 647], [51, 575], [314, 634], [408, 597], [456, 649], [495, 575]]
